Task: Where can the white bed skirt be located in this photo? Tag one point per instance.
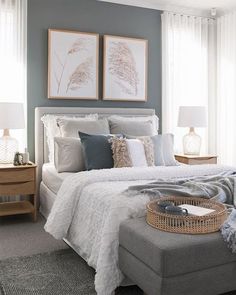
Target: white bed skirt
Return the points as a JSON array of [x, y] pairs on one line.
[[47, 198]]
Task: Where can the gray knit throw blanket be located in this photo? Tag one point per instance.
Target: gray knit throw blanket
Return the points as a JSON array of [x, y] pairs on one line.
[[221, 188]]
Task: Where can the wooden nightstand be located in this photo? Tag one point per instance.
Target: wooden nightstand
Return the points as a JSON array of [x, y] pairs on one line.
[[18, 180], [196, 160]]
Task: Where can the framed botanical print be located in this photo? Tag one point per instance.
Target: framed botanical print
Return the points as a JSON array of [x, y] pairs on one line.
[[72, 65], [125, 69]]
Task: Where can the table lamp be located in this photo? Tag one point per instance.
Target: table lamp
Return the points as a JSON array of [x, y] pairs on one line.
[[11, 117], [192, 116]]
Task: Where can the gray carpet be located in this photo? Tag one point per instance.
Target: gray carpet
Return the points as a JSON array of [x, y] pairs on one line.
[[22, 237], [60, 272]]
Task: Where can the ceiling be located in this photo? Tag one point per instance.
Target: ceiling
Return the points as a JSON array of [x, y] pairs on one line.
[[199, 7]]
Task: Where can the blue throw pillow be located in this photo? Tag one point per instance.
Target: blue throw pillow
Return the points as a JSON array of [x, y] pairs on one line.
[[97, 151]]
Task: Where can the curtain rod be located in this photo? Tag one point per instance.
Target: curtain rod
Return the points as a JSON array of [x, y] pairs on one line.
[[190, 15]]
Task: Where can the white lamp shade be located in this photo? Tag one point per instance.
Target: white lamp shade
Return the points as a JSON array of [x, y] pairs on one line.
[[11, 116], [192, 116]]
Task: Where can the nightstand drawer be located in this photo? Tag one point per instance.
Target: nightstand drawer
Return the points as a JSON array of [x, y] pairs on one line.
[[23, 188], [21, 181], [16, 175], [212, 160]]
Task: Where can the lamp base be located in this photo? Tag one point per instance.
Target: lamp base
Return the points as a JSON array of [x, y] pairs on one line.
[[8, 148], [192, 143]]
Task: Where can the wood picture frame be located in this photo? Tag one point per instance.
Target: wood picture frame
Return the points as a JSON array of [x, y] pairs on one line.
[[125, 69], [73, 61]]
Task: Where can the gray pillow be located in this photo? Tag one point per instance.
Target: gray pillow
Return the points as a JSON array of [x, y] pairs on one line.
[[70, 128], [97, 151], [68, 155], [153, 119], [135, 128], [158, 150], [164, 150]]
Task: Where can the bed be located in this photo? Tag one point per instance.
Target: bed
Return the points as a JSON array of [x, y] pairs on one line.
[[86, 208], [48, 180]]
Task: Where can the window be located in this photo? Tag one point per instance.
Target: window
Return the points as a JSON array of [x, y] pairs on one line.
[[13, 57], [188, 57]]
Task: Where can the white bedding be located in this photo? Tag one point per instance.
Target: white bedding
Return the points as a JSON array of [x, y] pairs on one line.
[[51, 178], [91, 205]]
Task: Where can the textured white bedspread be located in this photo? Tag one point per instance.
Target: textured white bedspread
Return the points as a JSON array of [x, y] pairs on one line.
[[90, 207]]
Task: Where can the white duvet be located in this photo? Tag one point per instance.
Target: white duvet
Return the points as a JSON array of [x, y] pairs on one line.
[[90, 207]]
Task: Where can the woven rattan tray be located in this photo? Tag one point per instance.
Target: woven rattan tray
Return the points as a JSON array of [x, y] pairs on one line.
[[187, 224]]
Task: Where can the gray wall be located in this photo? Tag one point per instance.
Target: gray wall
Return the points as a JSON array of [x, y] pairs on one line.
[[88, 16]]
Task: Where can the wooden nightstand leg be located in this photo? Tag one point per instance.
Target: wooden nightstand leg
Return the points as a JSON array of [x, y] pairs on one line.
[[35, 208]]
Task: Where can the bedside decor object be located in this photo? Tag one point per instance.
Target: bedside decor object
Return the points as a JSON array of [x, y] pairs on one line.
[[125, 69], [72, 65], [18, 159], [196, 160], [21, 158], [11, 117], [192, 116], [25, 157], [208, 223]]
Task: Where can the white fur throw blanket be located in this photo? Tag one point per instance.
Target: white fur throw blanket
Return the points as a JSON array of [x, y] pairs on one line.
[[91, 205]]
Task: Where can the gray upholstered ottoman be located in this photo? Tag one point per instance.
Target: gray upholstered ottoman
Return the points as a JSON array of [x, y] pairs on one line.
[[163, 263]]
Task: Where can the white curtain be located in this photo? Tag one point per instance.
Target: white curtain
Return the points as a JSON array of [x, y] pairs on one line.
[[13, 31], [188, 57], [226, 88]]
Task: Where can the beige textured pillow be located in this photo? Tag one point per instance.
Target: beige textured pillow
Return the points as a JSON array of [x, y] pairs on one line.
[[149, 149], [120, 153]]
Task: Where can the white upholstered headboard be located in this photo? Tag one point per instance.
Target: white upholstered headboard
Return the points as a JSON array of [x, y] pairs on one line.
[[41, 150]]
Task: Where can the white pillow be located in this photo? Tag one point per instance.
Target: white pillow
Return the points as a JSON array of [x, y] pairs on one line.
[[70, 128], [136, 152], [52, 130], [68, 154], [154, 121]]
